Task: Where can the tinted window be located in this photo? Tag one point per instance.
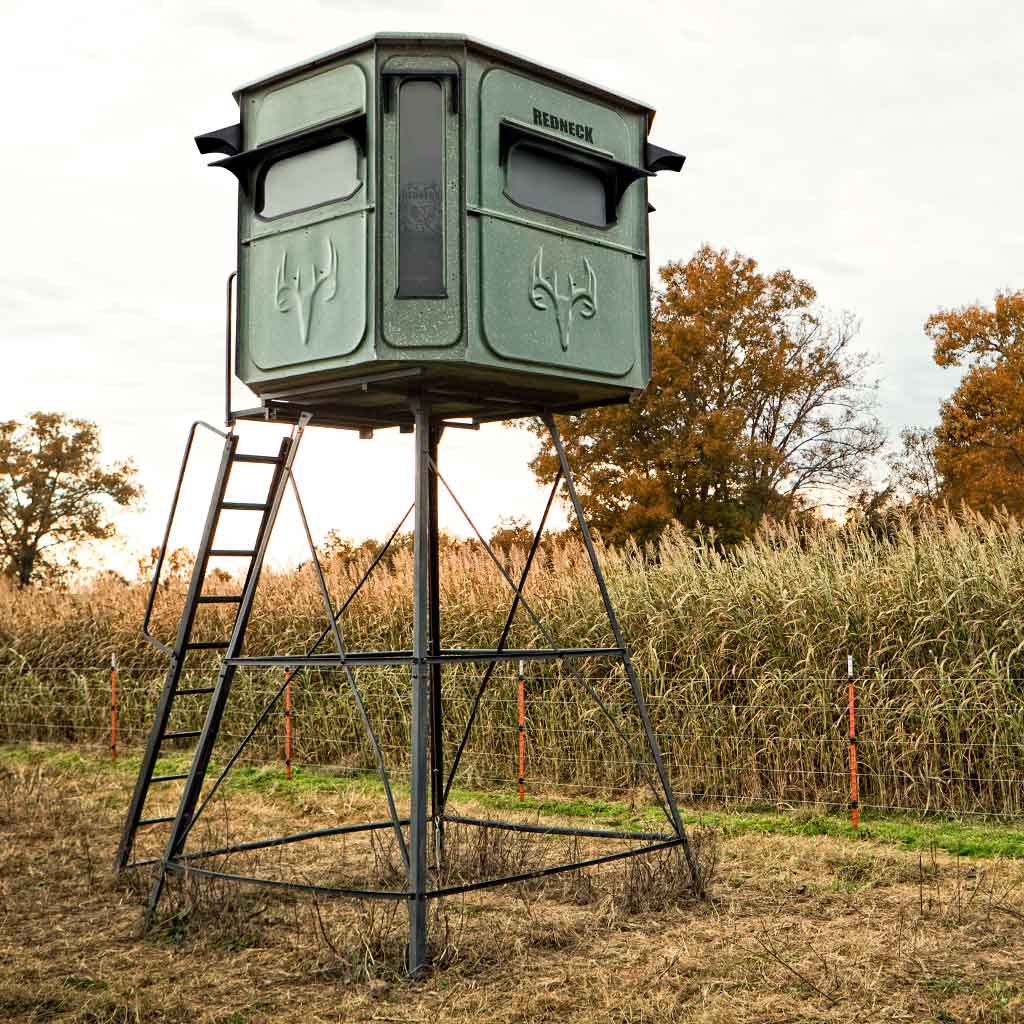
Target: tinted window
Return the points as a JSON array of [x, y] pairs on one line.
[[311, 178], [421, 271], [558, 185]]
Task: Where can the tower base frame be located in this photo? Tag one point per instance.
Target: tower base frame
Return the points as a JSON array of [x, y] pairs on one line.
[[430, 778]]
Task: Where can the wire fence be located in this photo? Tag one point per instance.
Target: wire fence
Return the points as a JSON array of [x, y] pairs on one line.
[[917, 752]]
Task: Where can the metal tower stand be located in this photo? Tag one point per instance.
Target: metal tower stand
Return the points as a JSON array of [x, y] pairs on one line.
[[425, 660]]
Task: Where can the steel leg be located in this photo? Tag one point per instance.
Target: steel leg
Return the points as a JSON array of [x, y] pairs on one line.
[[417, 949], [436, 705], [627, 663]]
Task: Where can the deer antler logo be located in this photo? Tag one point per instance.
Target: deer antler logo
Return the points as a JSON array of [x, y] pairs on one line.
[[542, 289], [297, 291]]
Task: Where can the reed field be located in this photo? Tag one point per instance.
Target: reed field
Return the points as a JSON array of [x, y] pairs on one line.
[[742, 656]]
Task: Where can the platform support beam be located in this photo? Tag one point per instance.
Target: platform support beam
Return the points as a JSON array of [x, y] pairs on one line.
[[417, 950], [436, 704]]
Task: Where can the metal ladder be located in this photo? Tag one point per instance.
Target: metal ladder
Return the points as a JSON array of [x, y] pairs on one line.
[[162, 732]]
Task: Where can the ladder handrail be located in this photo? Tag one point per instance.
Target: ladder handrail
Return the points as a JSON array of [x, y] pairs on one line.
[[229, 416], [158, 567]]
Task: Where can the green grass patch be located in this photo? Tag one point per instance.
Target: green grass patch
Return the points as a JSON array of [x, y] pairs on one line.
[[955, 837], [606, 813], [988, 839]]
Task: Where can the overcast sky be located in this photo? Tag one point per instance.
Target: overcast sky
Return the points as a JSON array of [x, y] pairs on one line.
[[873, 148]]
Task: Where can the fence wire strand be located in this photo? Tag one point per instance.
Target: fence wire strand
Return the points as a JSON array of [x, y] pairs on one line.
[[924, 756]]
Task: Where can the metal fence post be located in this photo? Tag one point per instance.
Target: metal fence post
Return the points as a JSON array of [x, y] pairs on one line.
[[854, 779], [522, 733], [288, 723], [113, 707]]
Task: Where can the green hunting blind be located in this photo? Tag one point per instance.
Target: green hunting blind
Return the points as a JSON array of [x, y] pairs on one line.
[[432, 233], [448, 214]]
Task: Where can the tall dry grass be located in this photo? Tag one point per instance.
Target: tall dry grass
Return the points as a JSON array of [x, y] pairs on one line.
[[742, 656]]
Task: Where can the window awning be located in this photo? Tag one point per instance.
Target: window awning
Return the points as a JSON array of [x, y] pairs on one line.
[[240, 162]]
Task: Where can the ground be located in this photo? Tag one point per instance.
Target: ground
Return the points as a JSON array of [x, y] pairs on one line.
[[803, 922]]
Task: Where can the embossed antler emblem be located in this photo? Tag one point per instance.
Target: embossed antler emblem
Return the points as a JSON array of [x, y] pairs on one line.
[[297, 291], [541, 289]]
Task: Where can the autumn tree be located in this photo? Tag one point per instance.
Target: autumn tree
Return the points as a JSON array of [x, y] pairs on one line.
[[758, 402], [511, 531], [914, 474], [336, 547], [980, 437], [178, 564], [54, 493]]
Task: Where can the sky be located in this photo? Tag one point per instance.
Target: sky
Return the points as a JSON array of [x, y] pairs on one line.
[[873, 148]]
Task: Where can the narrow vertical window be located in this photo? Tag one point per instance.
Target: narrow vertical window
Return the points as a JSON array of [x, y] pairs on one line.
[[421, 270]]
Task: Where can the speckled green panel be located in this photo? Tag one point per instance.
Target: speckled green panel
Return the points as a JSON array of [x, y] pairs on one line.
[[556, 295], [307, 294], [311, 101], [557, 302], [305, 287], [508, 96], [409, 323]]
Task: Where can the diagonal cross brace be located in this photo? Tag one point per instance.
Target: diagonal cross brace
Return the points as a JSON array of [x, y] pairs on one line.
[[265, 713], [503, 639], [566, 661], [339, 644], [627, 662]]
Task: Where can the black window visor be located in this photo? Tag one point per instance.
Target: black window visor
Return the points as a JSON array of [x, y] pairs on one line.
[[250, 166]]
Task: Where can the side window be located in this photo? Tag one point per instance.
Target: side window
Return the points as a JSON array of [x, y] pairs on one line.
[[556, 184], [421, 128], [309, 178]]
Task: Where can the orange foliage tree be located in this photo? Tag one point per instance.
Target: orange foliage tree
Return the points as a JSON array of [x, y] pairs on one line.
[[980, 437], [757, 403]]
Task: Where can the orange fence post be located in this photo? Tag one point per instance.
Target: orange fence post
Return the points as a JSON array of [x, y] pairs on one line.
[[113, 707], [522, 735], [287, 723], [854, 779]]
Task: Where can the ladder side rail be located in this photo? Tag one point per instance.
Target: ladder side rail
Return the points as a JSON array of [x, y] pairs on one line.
[[177, 653], [215, 712]]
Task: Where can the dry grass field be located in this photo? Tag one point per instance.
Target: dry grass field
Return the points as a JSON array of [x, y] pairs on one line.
[[795, 928]]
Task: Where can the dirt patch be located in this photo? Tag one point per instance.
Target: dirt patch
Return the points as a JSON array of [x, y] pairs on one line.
[[794, 929]]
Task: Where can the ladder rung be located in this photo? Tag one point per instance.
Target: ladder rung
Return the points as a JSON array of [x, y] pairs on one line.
[[187, 734], [270, 460], [207, 645], [192, 691], [154, 821], [231, 553], [244, 506], [219, 599], [169, 778]]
